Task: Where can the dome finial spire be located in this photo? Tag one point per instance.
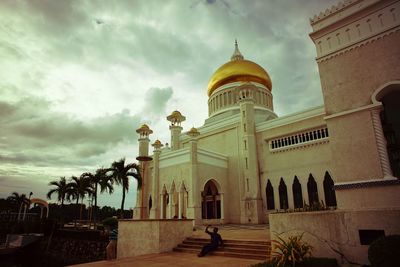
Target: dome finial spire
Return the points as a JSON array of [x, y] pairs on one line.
[[236, 53]]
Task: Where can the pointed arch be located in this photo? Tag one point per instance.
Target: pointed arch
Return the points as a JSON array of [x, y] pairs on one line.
[[297, 193], [283, 196], [164, 202], [329, 191], [312, 189], [150, 203], [269, 190], [211, 201]]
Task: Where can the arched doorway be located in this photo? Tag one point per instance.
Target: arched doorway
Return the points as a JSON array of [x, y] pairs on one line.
[[270, 196], [211, 201], [389, 96], [297, 194], [42, 204], [183, 201], [329, 191], [312, 189], [283, 197]]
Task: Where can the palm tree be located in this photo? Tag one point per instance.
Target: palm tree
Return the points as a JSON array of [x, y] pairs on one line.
[[121, 173], [79, 188], [19, 201], [95, 180], [62, 189]]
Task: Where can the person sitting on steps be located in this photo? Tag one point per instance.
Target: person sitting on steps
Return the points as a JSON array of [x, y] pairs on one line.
[[216, 240]]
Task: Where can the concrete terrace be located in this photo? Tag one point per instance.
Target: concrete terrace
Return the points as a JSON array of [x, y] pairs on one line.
[[238, 232]]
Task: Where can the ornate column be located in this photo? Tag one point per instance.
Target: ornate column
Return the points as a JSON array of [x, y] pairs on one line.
[[154, 212], [222, 206], [381, 143]]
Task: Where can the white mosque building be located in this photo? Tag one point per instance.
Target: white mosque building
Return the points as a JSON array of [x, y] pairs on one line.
[[246, 164]]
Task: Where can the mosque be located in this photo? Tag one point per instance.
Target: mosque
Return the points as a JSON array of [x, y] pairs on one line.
[[246, 164]]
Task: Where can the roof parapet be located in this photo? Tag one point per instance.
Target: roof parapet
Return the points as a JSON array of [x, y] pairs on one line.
[[335, 8]]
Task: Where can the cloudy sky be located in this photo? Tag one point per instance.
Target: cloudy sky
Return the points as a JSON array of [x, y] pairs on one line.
[[78, 77]]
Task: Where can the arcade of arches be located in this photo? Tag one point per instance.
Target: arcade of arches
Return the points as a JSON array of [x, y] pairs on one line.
[[298, 198]]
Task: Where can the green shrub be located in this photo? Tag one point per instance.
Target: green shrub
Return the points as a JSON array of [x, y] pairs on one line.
[[385, 251], [290, 252]]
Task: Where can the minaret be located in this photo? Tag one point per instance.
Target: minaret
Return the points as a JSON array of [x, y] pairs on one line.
[[144, 131], [140, 210], [251, 198], [176, 118], [154, 212], [194, 205]]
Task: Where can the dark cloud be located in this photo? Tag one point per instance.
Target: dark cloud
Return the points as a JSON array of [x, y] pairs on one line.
[[30, 124], [156, 100]]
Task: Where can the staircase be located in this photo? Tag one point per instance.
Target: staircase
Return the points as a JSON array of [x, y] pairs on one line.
[[248, 249]]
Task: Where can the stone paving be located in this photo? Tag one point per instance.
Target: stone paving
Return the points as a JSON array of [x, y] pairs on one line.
[[173, 259], [240, 232]]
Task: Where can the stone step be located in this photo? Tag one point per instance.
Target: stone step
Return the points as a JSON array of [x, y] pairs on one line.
[[227, 249], [228, 244], [225, 253], [248, 249], [232, 241]]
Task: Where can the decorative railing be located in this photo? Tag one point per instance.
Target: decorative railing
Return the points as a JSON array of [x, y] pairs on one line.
[[299, 139]]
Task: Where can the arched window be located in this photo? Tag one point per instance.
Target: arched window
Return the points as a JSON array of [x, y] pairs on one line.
[[283, 197], [211, 201], [297, 195], [150, 203], [270, 196], [312, 190], [329, 191], [391, 127]]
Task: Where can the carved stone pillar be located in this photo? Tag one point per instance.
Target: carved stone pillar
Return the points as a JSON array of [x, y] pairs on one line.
[[381, 143]]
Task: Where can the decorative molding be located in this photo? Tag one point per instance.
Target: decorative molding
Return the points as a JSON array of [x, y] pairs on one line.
[[361, 43], [367, 183], [174, 157], [330, 11], [381, 143], [291, 118], [347, 112], [212, 158]]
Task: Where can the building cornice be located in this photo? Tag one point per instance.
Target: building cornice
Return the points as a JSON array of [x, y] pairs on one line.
[[291, 118], [348, 112], [365, 41]]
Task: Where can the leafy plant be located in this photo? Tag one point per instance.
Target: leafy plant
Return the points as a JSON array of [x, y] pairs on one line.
[[290, 252]]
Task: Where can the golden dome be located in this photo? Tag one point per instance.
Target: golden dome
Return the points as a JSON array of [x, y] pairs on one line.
[[238, 70], [144, 129]]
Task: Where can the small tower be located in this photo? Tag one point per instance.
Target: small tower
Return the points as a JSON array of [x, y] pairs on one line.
[[194, 210], [144, 131], [155, 211], [251, 199], [176, 118]]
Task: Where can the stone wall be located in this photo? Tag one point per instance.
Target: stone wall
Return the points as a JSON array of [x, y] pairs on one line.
[[335, 234], [139, 237]]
